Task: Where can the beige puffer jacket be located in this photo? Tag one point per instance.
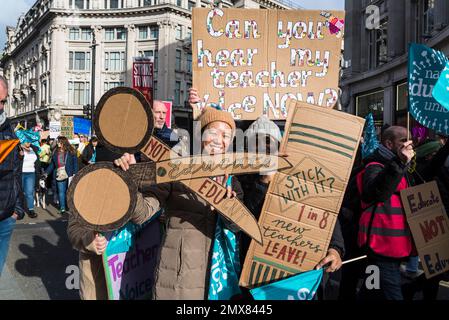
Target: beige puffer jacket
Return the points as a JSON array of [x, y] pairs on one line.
[[184, 259]]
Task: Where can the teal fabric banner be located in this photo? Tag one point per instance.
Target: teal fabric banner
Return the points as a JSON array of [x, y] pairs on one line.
[[300, 287], [425, 67], [441, 89], [29, 136], [224, 279], [370, 141]]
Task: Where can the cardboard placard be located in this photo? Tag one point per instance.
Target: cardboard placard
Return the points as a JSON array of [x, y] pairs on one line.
[[429, 224], [253, 62], [130, 274], [302, 203], [55, 129], [67, 127], [211, 192]]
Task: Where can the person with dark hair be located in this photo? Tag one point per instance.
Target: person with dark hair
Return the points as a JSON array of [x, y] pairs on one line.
[[11, 196], [90, 152], [63, 165]]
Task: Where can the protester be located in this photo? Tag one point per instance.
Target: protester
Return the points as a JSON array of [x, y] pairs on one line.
[[45, 154], [91, 246], [383, 229], [160, 128], [63, 165], [83, 143], [265, 136], [31, 171], [183, 266], [90, 152], [11, 196]]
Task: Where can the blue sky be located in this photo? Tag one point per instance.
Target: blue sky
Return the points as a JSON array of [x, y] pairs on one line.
[[12, 9], [9, 13], [321, 4]]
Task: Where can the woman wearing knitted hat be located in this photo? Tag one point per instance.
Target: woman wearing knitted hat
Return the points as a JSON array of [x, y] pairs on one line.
[[184, 262]]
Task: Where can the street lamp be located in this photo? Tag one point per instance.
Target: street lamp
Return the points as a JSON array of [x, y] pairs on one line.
[[92, 90]]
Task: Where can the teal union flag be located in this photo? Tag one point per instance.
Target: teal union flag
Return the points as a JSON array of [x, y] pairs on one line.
[[425, 67]]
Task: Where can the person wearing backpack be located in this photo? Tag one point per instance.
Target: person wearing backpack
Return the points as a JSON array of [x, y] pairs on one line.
[[63, 165], [383, 230]]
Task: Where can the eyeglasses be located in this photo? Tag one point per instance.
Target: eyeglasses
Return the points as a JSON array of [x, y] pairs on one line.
[[3, 102]]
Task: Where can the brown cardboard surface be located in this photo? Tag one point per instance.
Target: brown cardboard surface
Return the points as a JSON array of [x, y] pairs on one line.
[[429, 224], [293, 55], [211, 192], [123, 120], [102, 197], [187, 168], [302, 203]]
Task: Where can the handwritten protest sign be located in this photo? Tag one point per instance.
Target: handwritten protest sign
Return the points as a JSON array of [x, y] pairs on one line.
[[130, 273], [254, 62], [302, 203], [429, 224], [67, 127]]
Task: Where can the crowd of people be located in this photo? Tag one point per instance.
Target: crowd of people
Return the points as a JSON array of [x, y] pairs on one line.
[[371, 221]]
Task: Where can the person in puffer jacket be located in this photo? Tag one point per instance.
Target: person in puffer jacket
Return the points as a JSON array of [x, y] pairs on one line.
[[11, 196]]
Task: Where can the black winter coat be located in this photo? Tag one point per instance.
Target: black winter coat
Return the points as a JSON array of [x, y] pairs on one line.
[[11, 195]]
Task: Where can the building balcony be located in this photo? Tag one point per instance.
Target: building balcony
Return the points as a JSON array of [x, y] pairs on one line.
[[24, 89], [33, 84]]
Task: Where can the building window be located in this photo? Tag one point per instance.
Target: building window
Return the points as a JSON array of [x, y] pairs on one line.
[[111, 85], [155, 89], [148, 32], [115, 61], [151, 53], [178, 93], [178, 33], [112, 34], [79, 60], [371, 103], [378, 46], [143, 3], [191, 5], [79, 4], [113, 4], [44, 92], [428, 17], [179, 3], [189, 34], [401, 104], [189, 62], [79, 93], [178, 60], [84, 34]]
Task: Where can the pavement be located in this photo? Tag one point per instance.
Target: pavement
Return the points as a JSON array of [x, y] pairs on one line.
[[38, 258]]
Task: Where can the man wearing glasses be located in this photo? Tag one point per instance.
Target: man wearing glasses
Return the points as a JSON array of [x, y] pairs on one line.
[[11, 197]]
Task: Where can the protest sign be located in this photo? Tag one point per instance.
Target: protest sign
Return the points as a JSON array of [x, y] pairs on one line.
[[425, 67], [143, 76], [168, 117], [429, 224], [130, 274], [67, 127], [55, 129], [302, 203], [81, 126], [254, 62]]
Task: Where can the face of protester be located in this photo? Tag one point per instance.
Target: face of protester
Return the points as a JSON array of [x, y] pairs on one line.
[[95, 143], [26, 146], [159, 114], [217, 138], [3, 95], [399, 139]]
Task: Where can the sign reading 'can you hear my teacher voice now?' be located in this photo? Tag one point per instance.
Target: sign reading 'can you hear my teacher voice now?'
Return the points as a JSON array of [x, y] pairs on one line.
[[254, 62]]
